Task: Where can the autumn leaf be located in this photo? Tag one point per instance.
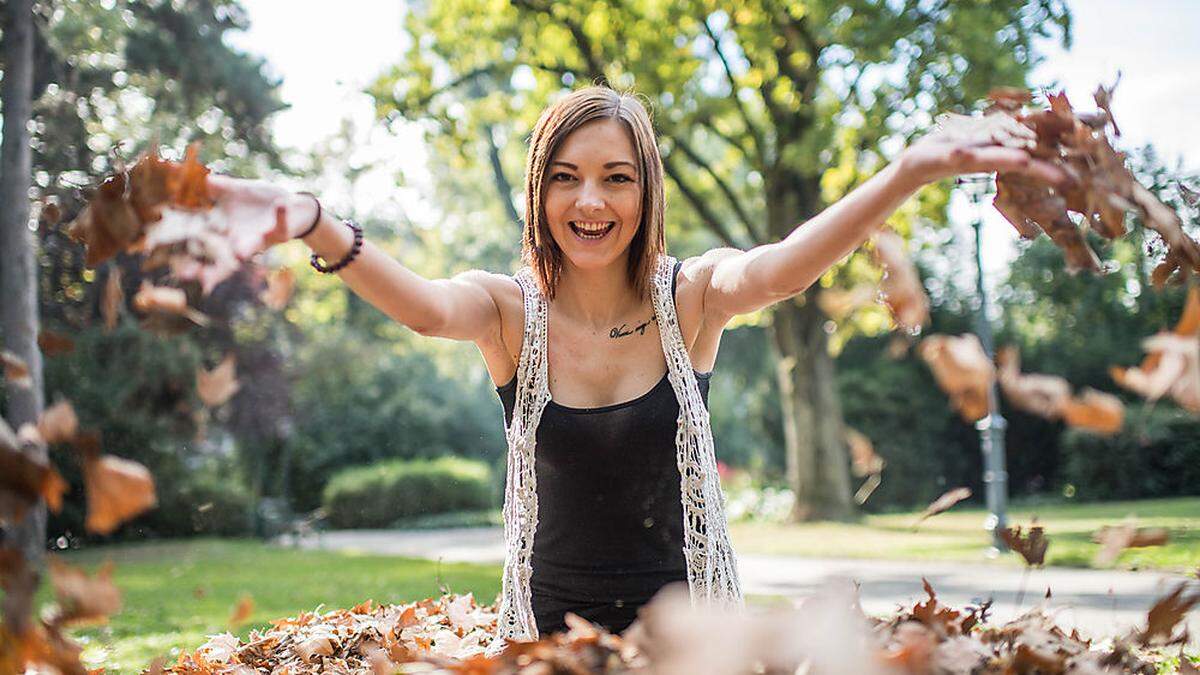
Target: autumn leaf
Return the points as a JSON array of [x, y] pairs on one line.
[[166, 300], [280, 284], [865, 463], [1043, 395], [54, 344], [58, 423], [242, 611], [217, 386], [25, 474], [1095, 411], [1115, 539], [1032, 547], [108, 224], [902, 289], [83, 600], [962, 370], [1166, 613], [16, 370], [1190, 196], [838, 303], [117, 490], [113, 299], [943, 503]]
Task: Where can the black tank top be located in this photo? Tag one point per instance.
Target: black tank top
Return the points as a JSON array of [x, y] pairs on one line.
[[610, 516]]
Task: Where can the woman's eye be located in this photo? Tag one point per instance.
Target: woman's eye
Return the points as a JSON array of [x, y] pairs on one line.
[[621, 178], [561, 177]]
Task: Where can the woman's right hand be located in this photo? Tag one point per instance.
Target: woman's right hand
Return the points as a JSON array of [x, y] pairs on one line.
[[260, 214]]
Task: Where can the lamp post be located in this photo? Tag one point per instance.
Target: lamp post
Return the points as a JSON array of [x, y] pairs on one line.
[[991, 427]]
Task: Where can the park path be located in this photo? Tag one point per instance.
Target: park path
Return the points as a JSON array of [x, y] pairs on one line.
[[1097, 602]]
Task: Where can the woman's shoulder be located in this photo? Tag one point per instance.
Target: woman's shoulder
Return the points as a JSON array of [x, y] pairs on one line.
[[507, 295]]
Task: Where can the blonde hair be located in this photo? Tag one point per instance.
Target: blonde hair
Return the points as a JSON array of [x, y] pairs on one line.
[[538, 248]]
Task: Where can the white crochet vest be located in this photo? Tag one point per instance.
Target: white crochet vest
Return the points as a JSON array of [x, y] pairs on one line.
[[711, 567]]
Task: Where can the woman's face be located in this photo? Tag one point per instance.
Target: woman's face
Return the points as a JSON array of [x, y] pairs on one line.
[[593, 194]]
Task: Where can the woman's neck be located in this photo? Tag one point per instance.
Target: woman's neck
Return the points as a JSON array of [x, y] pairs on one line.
[[598, 298]]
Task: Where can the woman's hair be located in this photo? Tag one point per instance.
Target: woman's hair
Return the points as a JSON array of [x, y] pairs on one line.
[[538, 249]]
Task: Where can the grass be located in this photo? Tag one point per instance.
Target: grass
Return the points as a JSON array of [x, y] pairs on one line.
[[177, 593], [958, 535]]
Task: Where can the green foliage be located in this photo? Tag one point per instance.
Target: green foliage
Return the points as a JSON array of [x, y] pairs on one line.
[[1156, 454], [380, 494]]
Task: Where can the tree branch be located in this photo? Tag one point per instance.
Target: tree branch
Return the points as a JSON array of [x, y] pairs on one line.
[[751, 128], [503, 186], [698, 204], [722, 185], [582, 41]]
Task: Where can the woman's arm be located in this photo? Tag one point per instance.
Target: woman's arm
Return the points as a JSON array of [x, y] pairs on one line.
[[461, 308], [745, 281]]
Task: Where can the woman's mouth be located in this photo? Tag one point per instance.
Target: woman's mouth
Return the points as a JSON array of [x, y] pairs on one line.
[[591, 230]]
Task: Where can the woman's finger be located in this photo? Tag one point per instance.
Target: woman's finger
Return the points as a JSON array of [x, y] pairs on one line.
[[996, 158]]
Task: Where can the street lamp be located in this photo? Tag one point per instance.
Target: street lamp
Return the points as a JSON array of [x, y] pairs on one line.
[[991, 427]]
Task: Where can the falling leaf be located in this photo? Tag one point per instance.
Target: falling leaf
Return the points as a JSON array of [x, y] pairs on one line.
[[166, 300], [217, 386], [1114, 539], [113, 299], [58, 423], [902, 289], [1190, 196], [838, 303], [16, 370], [962, 370], [1032, 547], [26, 475], [1166, 613], [242, 611], [1044, 395], [117, 490], [1095, 411], [1172, 365], [280, 284], [54, 344], [943, 503], [108, 224], [83, 600], [865, 463]]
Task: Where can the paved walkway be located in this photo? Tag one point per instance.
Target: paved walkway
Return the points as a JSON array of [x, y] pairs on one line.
[[1097, 602]]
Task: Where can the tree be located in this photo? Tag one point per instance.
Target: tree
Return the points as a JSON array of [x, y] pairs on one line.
[[18, 274], [767, 111]]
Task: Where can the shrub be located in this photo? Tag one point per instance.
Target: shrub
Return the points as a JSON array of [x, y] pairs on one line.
[[379, 495], [1156, 454]]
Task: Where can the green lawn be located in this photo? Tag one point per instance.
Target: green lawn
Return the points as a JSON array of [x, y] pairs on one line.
[[958, 535], [176, 593]]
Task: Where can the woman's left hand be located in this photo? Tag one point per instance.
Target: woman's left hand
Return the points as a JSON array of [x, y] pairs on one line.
[[962, 144]]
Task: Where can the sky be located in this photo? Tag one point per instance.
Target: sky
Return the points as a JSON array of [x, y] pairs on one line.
[[326, 57]]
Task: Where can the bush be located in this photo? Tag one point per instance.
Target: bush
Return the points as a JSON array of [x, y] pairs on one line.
[[1156, 454], [381, 494]]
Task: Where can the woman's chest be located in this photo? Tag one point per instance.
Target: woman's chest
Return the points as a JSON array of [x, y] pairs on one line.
[[594, 367]]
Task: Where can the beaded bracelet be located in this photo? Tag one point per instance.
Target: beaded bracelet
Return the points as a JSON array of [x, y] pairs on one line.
[[315, 261], [316, 220]]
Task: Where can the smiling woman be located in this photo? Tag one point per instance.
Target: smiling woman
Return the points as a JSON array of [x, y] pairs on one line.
[[602, 345]]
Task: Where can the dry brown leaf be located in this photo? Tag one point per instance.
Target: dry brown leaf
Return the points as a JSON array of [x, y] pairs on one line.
[[280, 285], [944, 503], [113, 299], [25, 474], [117, 490], [83, 600], [242, 611], [58, 423], [1095, 411], [865, 463], [1043, 395], [1115, 539], [1166, 614], [16, 370], [902, 289], [838, 303], [1172, 365], [108, 224], [166, 300], [962, 370], [217, 386], [54, 344], [1032, 547]]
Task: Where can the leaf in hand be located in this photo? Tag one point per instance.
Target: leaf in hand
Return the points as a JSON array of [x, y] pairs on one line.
[[943, 503], [83, 600], [117, 490], [217, 386], [962, 370], [902, 289], [280, 284]]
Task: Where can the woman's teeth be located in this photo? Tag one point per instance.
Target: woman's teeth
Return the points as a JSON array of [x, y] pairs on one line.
[[591, 229]]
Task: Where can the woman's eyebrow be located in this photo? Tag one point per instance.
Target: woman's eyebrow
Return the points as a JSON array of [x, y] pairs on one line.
[[618, 163]]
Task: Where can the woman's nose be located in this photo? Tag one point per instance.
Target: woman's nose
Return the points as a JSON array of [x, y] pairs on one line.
[[589, 199]]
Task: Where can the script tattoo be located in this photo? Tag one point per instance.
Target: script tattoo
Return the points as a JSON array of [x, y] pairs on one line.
[[640, 329]]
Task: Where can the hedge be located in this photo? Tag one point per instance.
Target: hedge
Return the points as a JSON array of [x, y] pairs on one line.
[[379, 495]]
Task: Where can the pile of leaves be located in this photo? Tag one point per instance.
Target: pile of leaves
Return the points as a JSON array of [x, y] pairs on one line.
[[827, 633]]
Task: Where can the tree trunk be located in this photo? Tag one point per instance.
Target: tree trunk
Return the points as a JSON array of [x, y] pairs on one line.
[[817, 465], [18, 273]]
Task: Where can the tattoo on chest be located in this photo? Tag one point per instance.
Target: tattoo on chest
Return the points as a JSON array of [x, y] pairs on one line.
[[624, 329]]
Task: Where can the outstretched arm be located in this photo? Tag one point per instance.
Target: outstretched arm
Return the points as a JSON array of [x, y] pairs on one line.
[[745, 281]]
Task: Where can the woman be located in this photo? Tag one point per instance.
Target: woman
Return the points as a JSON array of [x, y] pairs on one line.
[[601, 347]]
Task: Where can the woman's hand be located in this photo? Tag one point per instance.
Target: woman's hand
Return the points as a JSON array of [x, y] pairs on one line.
[[962, 144], [260, 214]]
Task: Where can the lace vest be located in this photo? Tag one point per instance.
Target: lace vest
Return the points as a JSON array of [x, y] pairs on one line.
[[711, 567]]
